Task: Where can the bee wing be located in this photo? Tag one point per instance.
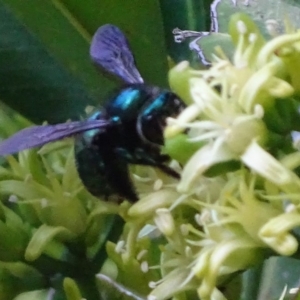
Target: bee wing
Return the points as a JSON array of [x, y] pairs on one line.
[[36, 136], [110, 50]]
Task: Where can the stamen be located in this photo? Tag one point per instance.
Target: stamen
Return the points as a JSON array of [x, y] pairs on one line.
[[141, 254], [13, 199], [144, 267], [241, 27], [120, 247]]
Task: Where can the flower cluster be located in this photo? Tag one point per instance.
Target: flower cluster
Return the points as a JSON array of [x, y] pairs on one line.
[[238, 197], [236, 147], [45, 214]]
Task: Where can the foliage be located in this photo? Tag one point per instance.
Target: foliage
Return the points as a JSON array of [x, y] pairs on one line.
[[236, 205]]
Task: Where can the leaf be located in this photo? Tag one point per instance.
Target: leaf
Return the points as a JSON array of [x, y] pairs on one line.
[[29, 70], [45, 69], [192, 15], [25, 273], [110, 289], [278, 272], [262, 12]]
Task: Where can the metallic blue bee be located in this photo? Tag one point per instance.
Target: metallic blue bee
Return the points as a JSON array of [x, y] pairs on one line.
[[127, 130]]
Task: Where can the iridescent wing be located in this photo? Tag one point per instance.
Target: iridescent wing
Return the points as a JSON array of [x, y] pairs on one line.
[[40, 135], [110, 50]]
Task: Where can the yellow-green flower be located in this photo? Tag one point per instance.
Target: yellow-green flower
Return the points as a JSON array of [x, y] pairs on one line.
[[237, 199], [218, 225]]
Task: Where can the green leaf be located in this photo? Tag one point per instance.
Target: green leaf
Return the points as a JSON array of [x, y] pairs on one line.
[[110, 289], [192, 15], [277, 273], [251, 279], [260, 12], [45, 69], [30, 70], [278, 12], [209, 43], [25, 273]]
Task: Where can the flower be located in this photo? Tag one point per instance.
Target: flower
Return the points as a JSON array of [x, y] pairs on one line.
[[229, 207], [238, 196]]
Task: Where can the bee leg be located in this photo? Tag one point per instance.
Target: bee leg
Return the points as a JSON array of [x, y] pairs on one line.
[[146, 158], [168, 170]]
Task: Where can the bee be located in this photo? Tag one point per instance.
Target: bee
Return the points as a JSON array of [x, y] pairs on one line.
[[128, 129]]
